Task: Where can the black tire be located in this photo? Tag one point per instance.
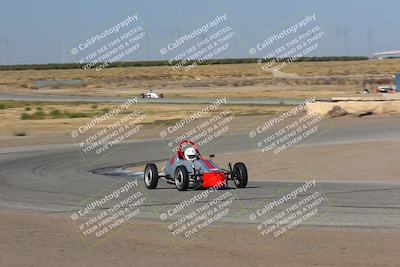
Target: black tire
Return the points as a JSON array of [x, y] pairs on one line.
[[239, 175], [181, 178], [141, 95], [151, 176]]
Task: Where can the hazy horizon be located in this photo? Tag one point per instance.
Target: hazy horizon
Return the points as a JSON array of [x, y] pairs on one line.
[[42, 31]]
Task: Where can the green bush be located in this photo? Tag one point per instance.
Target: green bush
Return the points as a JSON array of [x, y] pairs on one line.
[[75, 115], [25, 116], [27, 108], [38, 115], [56, 114]]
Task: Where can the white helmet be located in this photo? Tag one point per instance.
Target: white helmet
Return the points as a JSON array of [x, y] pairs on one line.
[[190, 153]]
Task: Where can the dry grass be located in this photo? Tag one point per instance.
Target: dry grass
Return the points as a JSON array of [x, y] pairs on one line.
[[120, 75], [210, 81], [333, 68], [156, 114]]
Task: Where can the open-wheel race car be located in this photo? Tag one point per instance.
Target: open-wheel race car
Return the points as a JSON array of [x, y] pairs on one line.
[[187, 168], [151, 94]]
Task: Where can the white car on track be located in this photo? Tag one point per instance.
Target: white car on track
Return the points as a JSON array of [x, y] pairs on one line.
[[151, 94]]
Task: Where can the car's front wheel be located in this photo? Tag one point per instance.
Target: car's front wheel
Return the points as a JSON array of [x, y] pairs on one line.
[[239, 175], [181, 178], [151, 176]]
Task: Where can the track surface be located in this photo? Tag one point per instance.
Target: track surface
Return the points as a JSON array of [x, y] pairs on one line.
[[96, 99], [53, 179]]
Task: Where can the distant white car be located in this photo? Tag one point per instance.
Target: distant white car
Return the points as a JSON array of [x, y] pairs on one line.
[[151, 94], [386, 89]]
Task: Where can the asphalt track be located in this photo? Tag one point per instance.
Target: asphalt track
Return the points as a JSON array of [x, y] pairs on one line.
[[54, 179], [102, 99]]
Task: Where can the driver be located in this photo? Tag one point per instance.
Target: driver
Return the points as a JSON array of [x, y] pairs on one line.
[[190, 153]]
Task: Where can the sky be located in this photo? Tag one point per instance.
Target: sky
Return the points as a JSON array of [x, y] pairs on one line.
[[43, 31]]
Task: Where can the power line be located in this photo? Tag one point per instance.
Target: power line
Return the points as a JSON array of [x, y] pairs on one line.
[[370, 37], [63, 51], [6, 49], [345, 32]]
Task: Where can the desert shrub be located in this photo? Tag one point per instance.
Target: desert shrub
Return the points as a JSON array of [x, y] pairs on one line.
[[55, 114], [73, 115], [19, 133], [24, 116], [38, 115]]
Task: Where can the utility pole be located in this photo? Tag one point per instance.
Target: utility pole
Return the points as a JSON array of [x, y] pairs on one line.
[[338, 35], [345, 32], [4, 41], [370, 37], [346, 40], [63, 51]]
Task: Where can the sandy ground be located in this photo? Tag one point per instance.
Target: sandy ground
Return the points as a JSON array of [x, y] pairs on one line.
[[347, 162], [51, 240], [50, 130], [57, 131], [357, 107], [33, 239]]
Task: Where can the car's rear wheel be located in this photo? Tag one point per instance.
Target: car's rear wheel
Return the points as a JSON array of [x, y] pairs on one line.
[[142, 95], [151, 176], [239, 175], [181, 178]]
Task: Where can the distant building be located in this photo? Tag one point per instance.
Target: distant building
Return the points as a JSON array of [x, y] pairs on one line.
[[387, 54]]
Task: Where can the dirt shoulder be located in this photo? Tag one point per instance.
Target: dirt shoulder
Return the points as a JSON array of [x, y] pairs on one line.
[[51, 240], [34, 123], [338, 162]]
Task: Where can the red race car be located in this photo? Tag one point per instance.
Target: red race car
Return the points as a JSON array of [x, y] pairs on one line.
[[187, 168]]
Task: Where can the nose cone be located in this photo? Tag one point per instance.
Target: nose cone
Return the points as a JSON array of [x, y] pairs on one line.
[[213, 179]]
